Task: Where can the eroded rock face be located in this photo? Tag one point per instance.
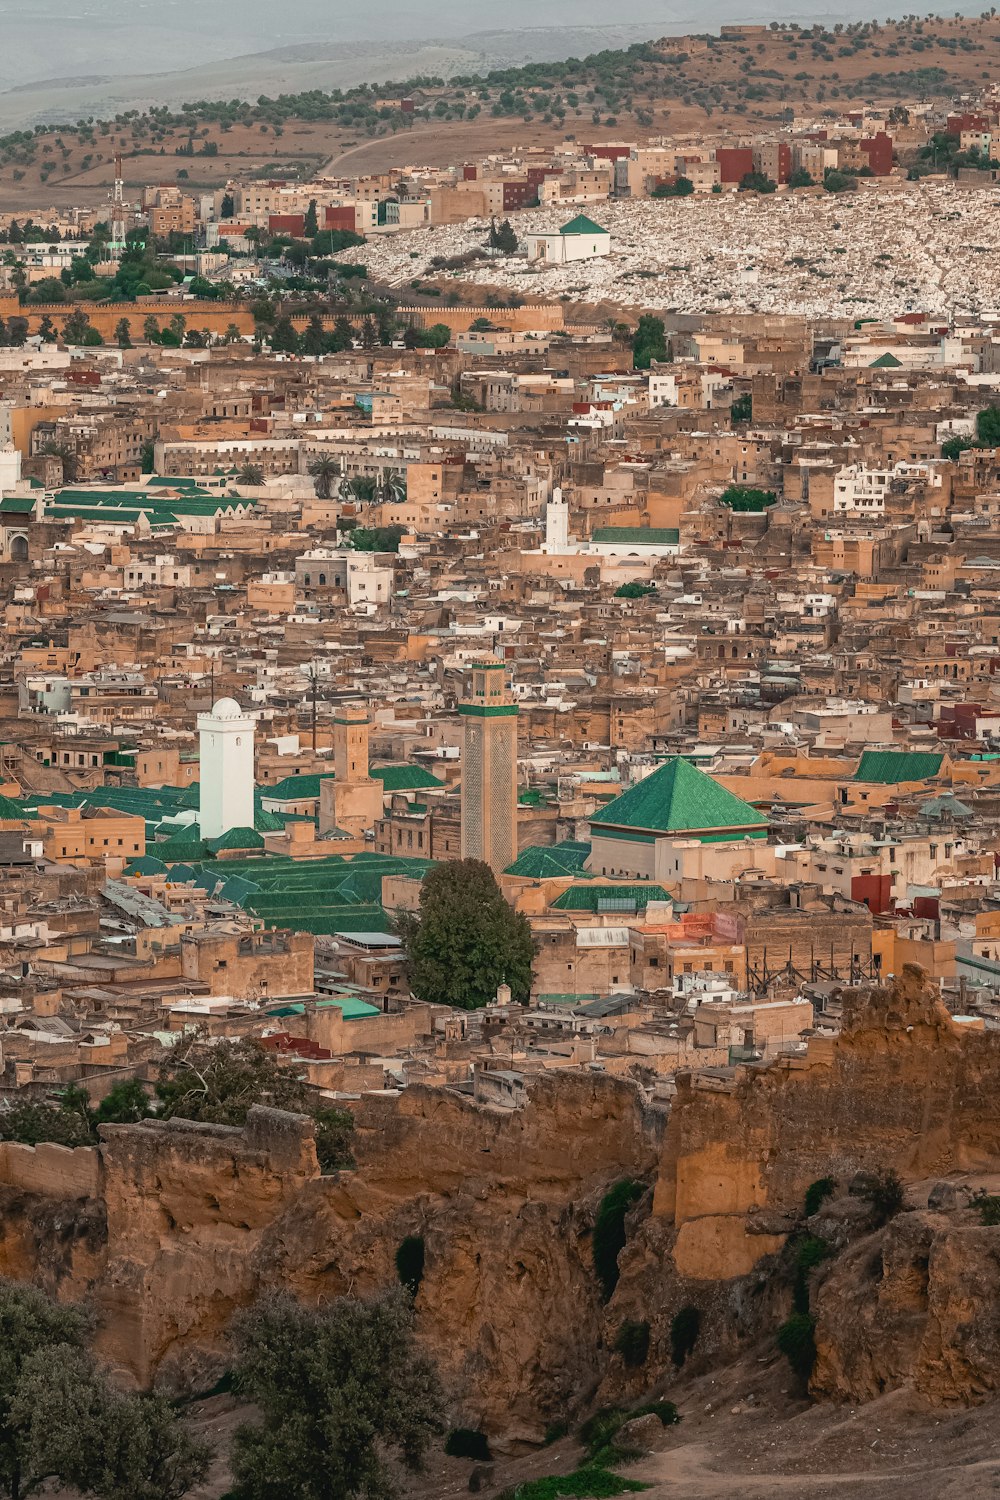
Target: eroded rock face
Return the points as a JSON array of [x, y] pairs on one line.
[[202, 1219], [902, 1087], [171, 1227], [915, 1302]]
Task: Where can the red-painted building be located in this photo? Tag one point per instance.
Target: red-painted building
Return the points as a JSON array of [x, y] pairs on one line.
[[519, 194], [341, 217], [878, 149], [294, 224], [734, 162], [955, 124], [613, 152]]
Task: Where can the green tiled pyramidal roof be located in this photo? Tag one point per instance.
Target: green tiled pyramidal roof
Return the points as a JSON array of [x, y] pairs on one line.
[[888, 767], [638, 536], [678, 798], [404, 778], [546, 861], [582, 225]]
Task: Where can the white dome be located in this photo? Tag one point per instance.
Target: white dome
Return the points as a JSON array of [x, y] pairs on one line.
[[227, 708]]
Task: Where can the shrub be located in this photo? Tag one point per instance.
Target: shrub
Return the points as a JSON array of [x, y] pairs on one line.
[[817, 1193], [684, 1330], [555, 1431], [598, 1433], [410, 1263], [796, 1339], [592, 1482], [883, 1191], [989, 1209], [809, 1253], [609, 1232], [468, 1442], [632, 1343]]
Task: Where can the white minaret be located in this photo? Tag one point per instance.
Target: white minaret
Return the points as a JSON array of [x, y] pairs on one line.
[[226, 788], [557, 523]]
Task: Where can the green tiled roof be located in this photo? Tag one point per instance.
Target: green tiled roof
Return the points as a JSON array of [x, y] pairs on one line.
[[582, 225], [542, 861], [11, 812], [639, 536], [237, 838], [678, 798], [404, 778], [295, 788], [609, 897], [886, 361], [889, 767], [17, 505]]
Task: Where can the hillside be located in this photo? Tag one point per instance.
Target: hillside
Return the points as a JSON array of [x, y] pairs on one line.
[[680, 85]]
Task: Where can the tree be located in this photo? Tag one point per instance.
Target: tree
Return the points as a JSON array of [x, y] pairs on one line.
[[800, 178], [310, 226], [746, 497], [70, 462], [284, 339], [377, 538], [649, 342], [219, 1084], [76, 326], [47, 331], [250, 475], [503, 237], [60, 1420], [742, 409], [232, 335], [466, 940], [953, 446], [681, 187], [314, 338], [369, 334], [342, 336], [123, 333], [17, 332], [756, 182], [324, 470], [148, 457], [227, 207], [336, 1387], [151, 330], [634, 590], [988, 427]]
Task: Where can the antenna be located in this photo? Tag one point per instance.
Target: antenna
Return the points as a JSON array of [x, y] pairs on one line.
[[117, 246]]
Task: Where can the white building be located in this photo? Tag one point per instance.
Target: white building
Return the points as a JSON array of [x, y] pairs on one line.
[[226, 783], [858, 490], [580, 239]]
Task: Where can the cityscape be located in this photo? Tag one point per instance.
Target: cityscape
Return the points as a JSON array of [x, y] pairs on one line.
[[500, 776]]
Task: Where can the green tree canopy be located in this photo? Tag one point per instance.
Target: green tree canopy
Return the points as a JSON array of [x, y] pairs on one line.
[[988, 427], [746, 497], [649, 342], [467, 940], [338, 1387], [60, 1420]]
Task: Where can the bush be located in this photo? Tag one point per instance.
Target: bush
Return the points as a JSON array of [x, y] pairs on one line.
[[746, 497], [796, 1339], [810, 1252], [817, 1193], [592, 1482], [410, 1263], [883, 1191], [555, 1431], [684, 1330], [988, 1207], [609, 1232], [468, 1442], [598, 1433], [632, 1343]]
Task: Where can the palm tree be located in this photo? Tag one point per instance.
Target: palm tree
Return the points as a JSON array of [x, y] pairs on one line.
[[324, 471], [250, 475], [391, 487]]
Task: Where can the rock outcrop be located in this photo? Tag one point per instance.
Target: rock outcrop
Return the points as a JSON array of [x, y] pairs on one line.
[[169, 1227]]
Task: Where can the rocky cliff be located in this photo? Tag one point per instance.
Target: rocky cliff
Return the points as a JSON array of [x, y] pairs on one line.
[[169, 1227]]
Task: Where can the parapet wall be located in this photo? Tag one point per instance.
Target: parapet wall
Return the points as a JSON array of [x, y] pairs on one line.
[[52, 1171]]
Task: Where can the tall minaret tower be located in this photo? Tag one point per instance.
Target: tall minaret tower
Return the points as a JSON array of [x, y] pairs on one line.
[[117, 246], [489, 768], [226, 785]]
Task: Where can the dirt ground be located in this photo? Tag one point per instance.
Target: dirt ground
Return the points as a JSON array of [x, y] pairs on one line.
[[743, 1435]]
